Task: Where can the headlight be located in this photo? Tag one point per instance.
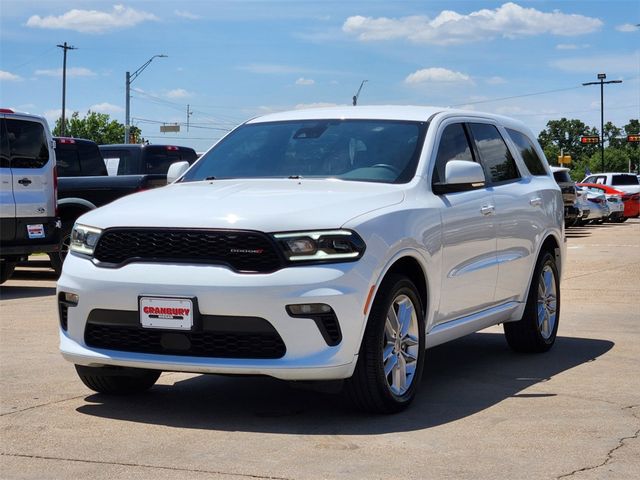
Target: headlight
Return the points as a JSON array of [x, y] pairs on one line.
[[84, 239], [321, 246]]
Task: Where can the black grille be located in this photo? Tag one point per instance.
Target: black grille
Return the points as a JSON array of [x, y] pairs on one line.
[[244, 251], [332, 332], [219, 337]]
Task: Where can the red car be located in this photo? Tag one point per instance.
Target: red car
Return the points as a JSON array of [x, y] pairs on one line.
[[631, 200]]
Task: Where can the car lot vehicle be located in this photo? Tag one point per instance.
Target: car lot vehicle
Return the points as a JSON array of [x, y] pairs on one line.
[[328, 244], [27, 189], [583, 206], [136, 159], [83, 185], [625, 182], [631, 201], [568, 187], [599, 209]]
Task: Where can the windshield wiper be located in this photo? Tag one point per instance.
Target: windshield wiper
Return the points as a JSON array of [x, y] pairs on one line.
[[210, 178], [294, 177]]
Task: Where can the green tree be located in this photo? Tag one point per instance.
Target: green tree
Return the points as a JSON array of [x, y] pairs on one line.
[[95, 126], [633, 149], [564, 135]]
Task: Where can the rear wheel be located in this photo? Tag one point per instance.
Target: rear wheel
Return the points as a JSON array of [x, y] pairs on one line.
[[57, 258], [537, 330], [391, 358], [117, 380]]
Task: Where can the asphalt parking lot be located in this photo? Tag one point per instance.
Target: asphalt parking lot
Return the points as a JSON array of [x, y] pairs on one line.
[[482, 412]]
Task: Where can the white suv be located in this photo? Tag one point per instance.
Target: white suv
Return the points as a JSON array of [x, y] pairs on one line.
[[320, 245]]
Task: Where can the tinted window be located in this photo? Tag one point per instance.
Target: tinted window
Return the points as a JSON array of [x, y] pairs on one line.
[[67, 160], [454, 145], [498, 163], [120, 162], [4, 146], [359, 150], [158, 160], [562, 176], [624, 180], [27, 144], [528, 152]]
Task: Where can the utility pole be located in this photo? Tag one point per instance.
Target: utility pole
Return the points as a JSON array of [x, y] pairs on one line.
[[601, 82], [64, 47], [357, 95], [130, 77], [189, 113]]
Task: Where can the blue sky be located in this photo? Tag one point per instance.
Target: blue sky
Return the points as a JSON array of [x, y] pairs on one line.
[[232, 60]]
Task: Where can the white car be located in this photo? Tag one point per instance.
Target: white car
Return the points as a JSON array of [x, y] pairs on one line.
[[625, 182], [326, 244]]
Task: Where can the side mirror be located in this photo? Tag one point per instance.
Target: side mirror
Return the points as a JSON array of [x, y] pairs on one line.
[[176, 170], [460, 175]]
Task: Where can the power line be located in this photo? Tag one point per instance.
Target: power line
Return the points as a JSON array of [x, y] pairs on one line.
[[516, 96]]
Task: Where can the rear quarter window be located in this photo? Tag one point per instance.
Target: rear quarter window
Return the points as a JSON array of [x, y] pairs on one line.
[[27, 144], [527, 152], [624, 180]]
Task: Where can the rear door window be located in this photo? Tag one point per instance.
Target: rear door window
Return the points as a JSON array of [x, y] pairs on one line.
[[454, 145], [27, 144], [624, 180], [118, 162], [527, 152], [499, 165], [4, 146]]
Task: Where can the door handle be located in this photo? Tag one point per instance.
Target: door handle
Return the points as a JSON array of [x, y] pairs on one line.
[[24, 181], [487, 209], [535, 202]]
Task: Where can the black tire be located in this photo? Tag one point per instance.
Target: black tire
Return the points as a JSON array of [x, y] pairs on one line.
[[529, 335], [369, 388], [6, 270], [117, 380], [57, 258]]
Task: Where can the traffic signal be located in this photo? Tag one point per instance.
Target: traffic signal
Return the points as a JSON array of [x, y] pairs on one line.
[[589, 139], [633, 138]]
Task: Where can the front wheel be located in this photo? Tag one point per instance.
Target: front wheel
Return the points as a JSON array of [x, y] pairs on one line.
[[6, 270], [117, 380], [391, 357], [537, 330]]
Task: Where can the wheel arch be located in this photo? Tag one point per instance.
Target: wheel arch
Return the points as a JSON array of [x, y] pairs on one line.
[[72, 208]]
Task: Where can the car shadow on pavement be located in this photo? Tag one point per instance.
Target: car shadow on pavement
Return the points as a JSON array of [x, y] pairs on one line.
[[461, 378], [11, 292]]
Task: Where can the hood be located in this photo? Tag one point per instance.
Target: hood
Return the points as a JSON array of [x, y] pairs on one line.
[[267, 205]]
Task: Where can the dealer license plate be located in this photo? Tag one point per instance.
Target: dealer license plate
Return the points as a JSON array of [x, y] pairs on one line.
[[163, 312]]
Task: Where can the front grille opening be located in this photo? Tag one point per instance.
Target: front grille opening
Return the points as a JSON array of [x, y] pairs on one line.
[[243, 251], [219, 337]]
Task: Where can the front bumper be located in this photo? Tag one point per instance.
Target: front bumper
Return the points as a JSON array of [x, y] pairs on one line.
[[222, 292]]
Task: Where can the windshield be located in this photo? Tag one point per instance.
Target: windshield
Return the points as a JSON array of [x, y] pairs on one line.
[[362, 150]]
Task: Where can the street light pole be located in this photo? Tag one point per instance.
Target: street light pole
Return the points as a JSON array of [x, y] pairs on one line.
[[64, 47], [601, 77], [130, 77]]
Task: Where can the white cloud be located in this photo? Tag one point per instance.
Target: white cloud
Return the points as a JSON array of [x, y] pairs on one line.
[[178, 93], [105, 107], [305, 81], [9, 77], [53, 115], [451, 28], [495, 81], [627, 27], [571, 46], [71, 72], [92, 21], [436, 75], [610, 63], [187, 15]]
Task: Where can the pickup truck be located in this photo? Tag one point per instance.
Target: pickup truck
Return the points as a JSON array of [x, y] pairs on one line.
[[83, 185], [136, 159]]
